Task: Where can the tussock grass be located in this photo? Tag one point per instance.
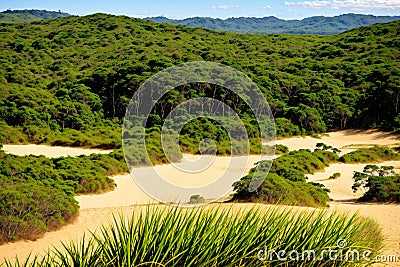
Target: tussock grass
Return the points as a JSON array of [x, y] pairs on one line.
[[216, 236]]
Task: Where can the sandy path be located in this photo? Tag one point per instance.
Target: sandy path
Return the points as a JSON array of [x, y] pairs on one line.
[[98, 209], [88, 220], [341, 187], [386, 215], [51, 151], [340, 139], [129, 193]]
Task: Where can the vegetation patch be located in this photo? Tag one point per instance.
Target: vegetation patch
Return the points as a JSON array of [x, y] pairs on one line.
[[37, 193], [379, 184], [368, 155], [196, 199], [164, 236], [357, 146], [281, 149], [286, 181], [336, 175], [73, 89]]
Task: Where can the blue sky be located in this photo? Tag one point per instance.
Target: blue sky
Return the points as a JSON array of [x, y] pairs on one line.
[[290, 9]]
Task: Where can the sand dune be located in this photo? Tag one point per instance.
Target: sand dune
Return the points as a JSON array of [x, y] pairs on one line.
[[342, 139], [388, 218], [98, 209], [51, 151], [204, 182], [341, 187]]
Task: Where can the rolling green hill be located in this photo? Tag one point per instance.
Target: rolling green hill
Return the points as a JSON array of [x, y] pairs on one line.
[[311, 25], [29, 15], [69, 80]]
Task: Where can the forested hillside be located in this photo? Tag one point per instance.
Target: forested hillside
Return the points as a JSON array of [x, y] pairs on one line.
[[69, 80], [311, 25], [29, 15]]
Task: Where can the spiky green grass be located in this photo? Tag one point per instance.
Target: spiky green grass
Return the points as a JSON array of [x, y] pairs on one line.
[[217, 236]]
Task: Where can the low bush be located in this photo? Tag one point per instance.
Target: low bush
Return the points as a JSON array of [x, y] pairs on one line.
[[278, 190], [370, 155], [82, 174], [286, 181], [37, 193], [335, 175], [379, 184], [281, 149], [295, 164], [29, 209]]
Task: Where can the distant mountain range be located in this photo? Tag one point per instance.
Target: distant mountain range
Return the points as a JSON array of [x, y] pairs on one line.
[[29, 15], [311, 25]]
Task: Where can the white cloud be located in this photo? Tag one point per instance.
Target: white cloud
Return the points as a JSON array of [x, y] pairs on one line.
[[266, 7], [349, 4], [225, 7]]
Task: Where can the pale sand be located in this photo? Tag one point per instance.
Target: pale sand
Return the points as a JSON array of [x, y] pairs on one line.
[[341, 187], [51, 151], [98, 209], [340, 139], [204, 182], [386, 215], [388, 218]]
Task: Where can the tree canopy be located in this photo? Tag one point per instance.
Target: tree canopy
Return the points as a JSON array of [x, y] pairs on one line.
[[68, 80]]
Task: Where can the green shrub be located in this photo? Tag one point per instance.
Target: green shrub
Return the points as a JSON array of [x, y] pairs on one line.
[[84, 174], [379, 184], [285, 127], [37, 193], [303, 162], [196, 199], [29, 209], [286, 181], [281, 149], [335, 175], [369, 155], [278, 190]]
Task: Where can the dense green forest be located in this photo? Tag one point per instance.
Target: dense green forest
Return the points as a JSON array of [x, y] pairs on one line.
[[29, 15], [69, 80], [311, 25]]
